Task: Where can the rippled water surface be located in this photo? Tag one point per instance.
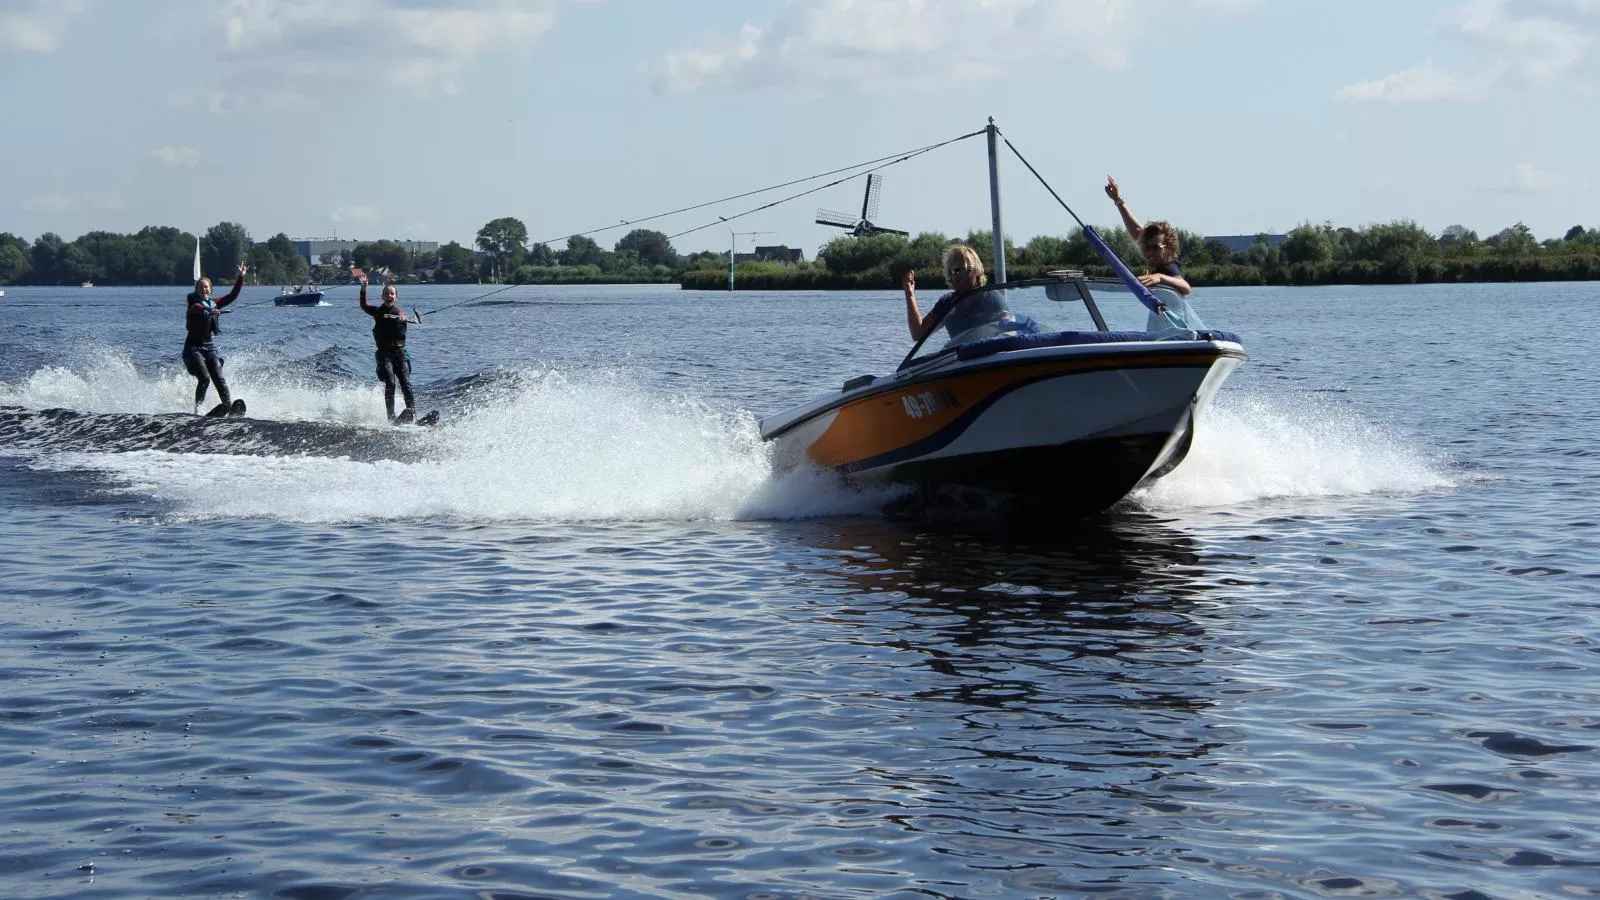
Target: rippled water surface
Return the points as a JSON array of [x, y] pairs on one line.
[[580, 641]]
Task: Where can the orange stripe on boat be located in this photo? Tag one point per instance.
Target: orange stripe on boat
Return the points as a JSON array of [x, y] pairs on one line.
[[887, 421]]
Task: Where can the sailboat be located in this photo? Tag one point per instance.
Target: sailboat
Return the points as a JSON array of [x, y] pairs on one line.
[[196, 259]]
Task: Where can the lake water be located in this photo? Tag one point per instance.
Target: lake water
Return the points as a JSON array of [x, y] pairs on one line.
[[579, 641]]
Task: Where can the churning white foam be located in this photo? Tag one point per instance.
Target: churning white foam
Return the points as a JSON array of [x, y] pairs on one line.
[[551, 449], [600, 447], [1253, 448], [109, 382]]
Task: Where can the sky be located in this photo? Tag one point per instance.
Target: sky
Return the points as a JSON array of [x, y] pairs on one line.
[[425, 119]]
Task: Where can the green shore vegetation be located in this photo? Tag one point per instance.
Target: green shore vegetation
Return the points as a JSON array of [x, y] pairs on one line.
[[1399, 252]]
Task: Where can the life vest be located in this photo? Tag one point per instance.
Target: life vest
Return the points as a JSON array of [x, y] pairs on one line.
[[389, 326], [203, 319]]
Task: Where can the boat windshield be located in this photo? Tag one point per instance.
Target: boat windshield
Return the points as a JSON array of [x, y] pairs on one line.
[[1054, 306]]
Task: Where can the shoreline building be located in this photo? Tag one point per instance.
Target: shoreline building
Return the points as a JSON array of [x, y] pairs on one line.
[[314, 249]]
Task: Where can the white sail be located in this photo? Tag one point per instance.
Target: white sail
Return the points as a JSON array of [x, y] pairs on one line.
[[197, 259]]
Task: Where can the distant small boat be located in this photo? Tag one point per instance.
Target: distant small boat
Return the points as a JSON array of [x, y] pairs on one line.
[[87, 284], [298, 297]]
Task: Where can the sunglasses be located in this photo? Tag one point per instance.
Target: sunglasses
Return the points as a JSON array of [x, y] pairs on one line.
[[958, 270]]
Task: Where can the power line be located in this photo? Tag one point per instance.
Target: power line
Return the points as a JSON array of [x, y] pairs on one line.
[[887, 161]]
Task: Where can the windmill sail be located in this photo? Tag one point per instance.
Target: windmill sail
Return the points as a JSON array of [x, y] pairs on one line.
[[869, 203], [836, 219], [197, 259], [862, 226]]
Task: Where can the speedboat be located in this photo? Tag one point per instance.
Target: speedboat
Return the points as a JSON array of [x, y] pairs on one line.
[[1071, 396], [1060, 396], [298, 297]]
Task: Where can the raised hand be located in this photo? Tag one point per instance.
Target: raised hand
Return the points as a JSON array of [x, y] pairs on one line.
[[243, 269], [1112, 190], [908, 282]]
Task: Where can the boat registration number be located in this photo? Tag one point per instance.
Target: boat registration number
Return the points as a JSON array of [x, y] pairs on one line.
[[929, 403]]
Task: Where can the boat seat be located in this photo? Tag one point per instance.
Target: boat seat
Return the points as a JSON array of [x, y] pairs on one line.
[[1001, 344]]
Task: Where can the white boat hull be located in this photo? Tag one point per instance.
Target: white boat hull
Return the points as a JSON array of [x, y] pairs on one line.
[[1073, 427]]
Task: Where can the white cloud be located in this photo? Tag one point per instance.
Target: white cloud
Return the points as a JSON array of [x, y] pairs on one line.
[[819, 44], [176, 157], [1418, 84], [36, 26], [357, 214], [1526, 178], [1513, 43], [1540, 48], [311, 52]]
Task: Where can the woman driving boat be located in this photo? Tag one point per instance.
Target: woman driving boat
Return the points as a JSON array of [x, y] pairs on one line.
[[966, 308]]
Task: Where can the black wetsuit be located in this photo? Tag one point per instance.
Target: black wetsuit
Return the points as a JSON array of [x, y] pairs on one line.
[[394, 364], [199, 354]]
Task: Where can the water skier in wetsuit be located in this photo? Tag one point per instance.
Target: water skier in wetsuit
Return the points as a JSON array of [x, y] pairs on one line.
[[199, 353], [389, 332]]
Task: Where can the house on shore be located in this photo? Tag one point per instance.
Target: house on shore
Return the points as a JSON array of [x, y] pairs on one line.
[[778, 254]]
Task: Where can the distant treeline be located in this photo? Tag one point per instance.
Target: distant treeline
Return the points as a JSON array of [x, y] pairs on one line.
[[1394, 253], [162, 255]]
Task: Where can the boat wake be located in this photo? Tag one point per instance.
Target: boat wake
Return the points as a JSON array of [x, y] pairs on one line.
[[1251, 449], [544, 446], [515, 446]]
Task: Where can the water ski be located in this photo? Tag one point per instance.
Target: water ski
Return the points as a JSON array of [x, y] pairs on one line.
[[236, 408], [408, 416]]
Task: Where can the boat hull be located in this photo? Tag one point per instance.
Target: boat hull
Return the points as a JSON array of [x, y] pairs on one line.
[[313, 298], [1070, 429]]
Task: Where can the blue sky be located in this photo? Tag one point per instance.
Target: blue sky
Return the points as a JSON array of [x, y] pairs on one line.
[[424, 119]]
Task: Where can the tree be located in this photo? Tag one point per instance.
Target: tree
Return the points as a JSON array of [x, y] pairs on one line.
[[983, 243], [541, 255], [225, 245], [14, 264], [387, 254], [1516, 241], [580, 251], [505, 239], [653, 247], [455, 264], [1191, 248], [1043, 250], [78, 264], [1457, 236], [1395, 241], [1308, 243], [1574, 233], [46, 257], [847, 255]]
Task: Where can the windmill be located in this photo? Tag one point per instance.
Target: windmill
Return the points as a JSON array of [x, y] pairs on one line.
[[869, 210]]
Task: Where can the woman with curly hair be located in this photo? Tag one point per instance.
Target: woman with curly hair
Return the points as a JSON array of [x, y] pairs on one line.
[[1158, 242]]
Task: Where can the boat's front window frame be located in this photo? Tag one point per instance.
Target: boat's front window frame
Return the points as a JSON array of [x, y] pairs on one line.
[[1073, 280]]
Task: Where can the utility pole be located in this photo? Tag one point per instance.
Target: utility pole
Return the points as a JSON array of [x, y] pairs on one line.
[[733, 240]]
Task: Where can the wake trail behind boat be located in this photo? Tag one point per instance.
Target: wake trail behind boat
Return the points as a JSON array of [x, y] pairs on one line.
[[1249, 449], [542, 447]]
